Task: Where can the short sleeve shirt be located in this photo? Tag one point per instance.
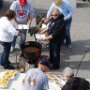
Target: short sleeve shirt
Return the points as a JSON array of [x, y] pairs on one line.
[[36, 80], [22, 13]]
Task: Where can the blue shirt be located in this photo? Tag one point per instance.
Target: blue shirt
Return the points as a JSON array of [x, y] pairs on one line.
[[65, 9], [35, 79]]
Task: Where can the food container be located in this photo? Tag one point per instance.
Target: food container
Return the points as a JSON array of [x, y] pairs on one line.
[[39, 36]]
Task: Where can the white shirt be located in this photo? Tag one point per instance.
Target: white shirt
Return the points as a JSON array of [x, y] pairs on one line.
[[7, 30]]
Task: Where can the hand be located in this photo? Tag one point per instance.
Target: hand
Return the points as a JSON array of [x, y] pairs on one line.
[[65, 18], [45, 39], [20, 34]]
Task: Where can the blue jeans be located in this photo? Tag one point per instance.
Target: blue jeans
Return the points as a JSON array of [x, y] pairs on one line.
[[22, 39], [4, 61], [67, 31]]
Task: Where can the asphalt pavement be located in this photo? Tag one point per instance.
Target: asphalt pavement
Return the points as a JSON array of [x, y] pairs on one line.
[[78, 58]]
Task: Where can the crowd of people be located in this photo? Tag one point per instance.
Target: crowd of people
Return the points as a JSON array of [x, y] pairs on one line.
[[58, 20]]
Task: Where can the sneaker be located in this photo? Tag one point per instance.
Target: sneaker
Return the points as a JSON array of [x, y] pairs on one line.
[[69, 46], [9, 67], [12, 49]]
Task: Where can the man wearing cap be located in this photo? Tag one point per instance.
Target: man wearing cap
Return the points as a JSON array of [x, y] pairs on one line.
[[24, 14], [35, 78]]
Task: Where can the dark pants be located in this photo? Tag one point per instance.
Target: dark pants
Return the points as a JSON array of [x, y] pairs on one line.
[[55, 47], [4, 61], [67, 31]]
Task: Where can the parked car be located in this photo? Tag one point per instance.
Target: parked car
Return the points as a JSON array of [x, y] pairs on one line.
[[1, 4]]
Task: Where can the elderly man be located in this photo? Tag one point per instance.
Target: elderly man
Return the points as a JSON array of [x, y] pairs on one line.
[[66, 75]]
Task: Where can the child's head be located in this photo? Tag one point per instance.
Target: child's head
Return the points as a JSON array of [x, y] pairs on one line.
[[55, 13], [67, 73]]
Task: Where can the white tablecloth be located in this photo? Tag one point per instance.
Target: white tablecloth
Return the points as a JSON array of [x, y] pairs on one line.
[[17, 83]]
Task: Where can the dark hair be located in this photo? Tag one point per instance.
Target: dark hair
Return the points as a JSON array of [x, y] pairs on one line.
[[76, 83], [10, 14]]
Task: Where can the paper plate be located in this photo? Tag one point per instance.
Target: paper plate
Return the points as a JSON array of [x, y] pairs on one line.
[[23, 26], [40, 36]]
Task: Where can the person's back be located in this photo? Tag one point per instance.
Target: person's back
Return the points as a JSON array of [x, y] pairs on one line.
[[35, 80]]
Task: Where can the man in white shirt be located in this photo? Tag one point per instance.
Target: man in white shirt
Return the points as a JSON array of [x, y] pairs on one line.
[[7, 33]]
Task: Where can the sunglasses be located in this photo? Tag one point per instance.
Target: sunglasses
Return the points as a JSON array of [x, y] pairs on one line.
[[55, 15]]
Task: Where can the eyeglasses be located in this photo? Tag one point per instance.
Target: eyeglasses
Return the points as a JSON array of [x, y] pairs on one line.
[[55, 15]]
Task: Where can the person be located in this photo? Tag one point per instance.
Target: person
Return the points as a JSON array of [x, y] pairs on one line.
[[66, 75], [24, 15], [56, 29], [76, 83], [65, 8], [7, 32], [35, 78]]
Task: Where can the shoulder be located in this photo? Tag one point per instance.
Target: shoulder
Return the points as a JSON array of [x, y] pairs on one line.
[[61, 16], [53, 4], [15, 2], [67, 3], [29, 4], [5, 20]]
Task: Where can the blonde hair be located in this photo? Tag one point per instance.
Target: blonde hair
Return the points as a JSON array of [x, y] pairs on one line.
[[58, 2], [55, 11]]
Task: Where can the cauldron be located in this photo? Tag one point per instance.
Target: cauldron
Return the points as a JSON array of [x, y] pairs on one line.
[[31, 51]]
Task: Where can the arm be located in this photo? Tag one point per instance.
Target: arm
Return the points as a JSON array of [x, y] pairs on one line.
[[50, 10], [69, 9], [13, 21], [45, 85], [13, 6], [29, 21], [43, 31], [31, 15], [48, 38], [11, 29]]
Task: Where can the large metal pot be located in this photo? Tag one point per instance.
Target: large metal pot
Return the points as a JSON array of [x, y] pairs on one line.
[[31, 51]]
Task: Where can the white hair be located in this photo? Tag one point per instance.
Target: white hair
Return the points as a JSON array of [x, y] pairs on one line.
[[68, 72]]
